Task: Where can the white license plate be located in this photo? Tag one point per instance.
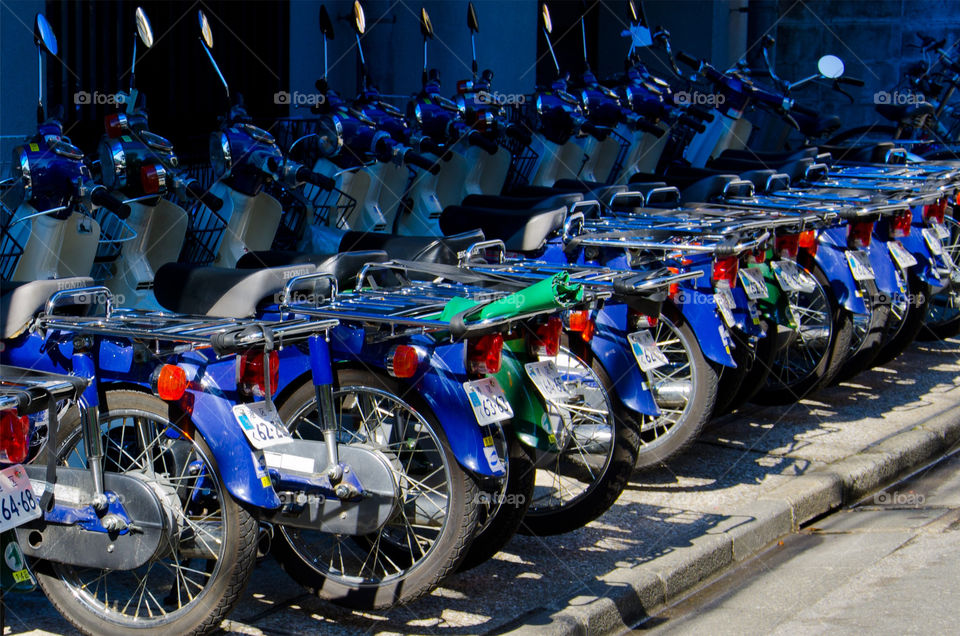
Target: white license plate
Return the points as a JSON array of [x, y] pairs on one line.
[[860, 267], [725, 304], [646, 351], [933, 241], [18, 504], [546, 377], [900, 254], [753, 283], [261, 424], [941, 230], [488, 401], [789, 277]]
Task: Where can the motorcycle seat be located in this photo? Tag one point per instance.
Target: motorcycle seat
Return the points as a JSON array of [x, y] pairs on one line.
[[795, 168], [21, 301], [426, 249], [600, 191], [221, 291], [520, 202], [343, 266], [898, 113], [770, 158], [699, 186], [520, 230], [869, 153]]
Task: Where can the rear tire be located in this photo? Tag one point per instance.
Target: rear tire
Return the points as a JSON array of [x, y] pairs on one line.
[[917, 308]]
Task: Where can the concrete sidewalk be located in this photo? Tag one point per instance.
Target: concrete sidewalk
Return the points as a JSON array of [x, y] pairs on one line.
[[753, 478]]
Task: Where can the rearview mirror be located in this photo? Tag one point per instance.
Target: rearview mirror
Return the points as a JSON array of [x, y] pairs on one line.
[[43, 34], [472, 23], [205, 30], [545, 13], [359, 19], [143, 28], [426, 27], [326, 26], [632, 11], [830, 66]]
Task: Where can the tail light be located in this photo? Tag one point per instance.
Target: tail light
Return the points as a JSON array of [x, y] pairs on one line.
[[674, 290], [545, 339], [900, 224], [115, 125], [170, 382], [153, 178], [934, 212], [726, 269], [757, 256], [858, 234], [403, 361], [483, 354], [581, 322], [14, 437], [251, 378], [808, 242], [788, 245], [637, 320]]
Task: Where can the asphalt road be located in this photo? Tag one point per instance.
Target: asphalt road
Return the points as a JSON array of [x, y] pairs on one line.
[[736, 461]]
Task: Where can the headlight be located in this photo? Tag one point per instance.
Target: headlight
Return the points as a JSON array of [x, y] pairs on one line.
[[21, 169], [330, 136], [220, 154], [113, 164]]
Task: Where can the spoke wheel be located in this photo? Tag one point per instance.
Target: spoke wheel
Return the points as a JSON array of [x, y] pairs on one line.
[[943, 320]]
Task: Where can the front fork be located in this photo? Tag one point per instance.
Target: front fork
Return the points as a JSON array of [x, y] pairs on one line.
[[322, 368]]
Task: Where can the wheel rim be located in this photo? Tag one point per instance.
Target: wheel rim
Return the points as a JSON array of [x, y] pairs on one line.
[[945, 306], [164, 589], [672, 385], [811, 311], [380, 420], [585, 432]]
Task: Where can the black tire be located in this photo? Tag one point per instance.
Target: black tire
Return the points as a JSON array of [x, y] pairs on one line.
[[661, 440], [943, 320], [755, 379], [443, 555], [228, 578], [917, 308], [782, 387], [864, 356], [605, 488], [514, 500]]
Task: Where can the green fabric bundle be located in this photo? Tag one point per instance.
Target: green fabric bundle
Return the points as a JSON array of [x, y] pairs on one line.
[[551, 293]]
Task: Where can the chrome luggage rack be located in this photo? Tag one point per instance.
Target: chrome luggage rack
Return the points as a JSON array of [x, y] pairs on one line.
[[29, 390], [172, 333]]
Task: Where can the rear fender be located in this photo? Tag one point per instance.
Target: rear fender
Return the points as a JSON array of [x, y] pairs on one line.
[[700, 310], [609, 344], [832, 259]]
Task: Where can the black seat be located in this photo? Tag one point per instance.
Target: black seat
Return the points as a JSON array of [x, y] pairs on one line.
[[905, 113], [868, 153], [767, 157], [20, 302], [698, 186], [534, 202], [220, 291], [426, 249], [343, 266], [819, 126], [520, 230]]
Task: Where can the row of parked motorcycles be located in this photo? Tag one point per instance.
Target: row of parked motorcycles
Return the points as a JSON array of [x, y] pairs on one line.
[[379, 342]]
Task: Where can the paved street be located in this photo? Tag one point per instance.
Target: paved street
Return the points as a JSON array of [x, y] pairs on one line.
[[888, 566], [738, 460]]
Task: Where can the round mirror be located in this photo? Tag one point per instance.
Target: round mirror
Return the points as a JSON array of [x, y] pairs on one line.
[[472, 23], [205, 30], [143, 28], [545, 12], [830, 66], [326, 26], [43, 34], [426, 27], [359, 19]]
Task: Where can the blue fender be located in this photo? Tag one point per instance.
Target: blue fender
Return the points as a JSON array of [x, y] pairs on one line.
[[700, 310], [926, 267], [831, 257], [883, 267], [609, 344]]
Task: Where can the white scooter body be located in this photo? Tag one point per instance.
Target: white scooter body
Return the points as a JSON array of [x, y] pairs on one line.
[[599, 157], [252, 223], [160, 231], [53, 248], [644, 154], [555, 162]]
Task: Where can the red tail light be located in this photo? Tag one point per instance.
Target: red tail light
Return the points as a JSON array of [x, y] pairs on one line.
[[674, 290], [636, 320], [115, 125], [757, 256], [581, 323], [936, 211], [788, 245], [545, 340], [14, 437], [900, 224], [170, 382], [858, 234], [251, 378], [726, 269], [403, 361], [153, 178], [808, 241], [483, 354]]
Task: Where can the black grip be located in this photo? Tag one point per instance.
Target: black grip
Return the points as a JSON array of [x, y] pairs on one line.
[[322, 181], [852, 81], [692, 122], [593, 130], [518, 133], [102, 198], [416, 159], [228, 341], [647, 127], [209, 199], [478, 139], [699, 113], [429, 145], [689, 60]]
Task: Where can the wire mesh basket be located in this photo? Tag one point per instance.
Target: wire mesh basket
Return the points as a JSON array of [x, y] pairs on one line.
[[623, 149], [113, 234], [307, 205], [522, 160], [206, 227], [10, 249]]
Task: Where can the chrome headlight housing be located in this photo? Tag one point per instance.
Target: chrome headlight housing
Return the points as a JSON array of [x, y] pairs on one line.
[[113, 164], [220, 157], [21, 170], [330, 135]]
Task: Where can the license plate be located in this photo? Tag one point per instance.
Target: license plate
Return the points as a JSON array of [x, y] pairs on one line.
[[754, 312], [18, 504], [790, 277], [900, 254], [546, 377], [941, 230], [933, 241], [646, 351], [753, 283], [725, 304], [488, 401], [860, 265], [261, 424]]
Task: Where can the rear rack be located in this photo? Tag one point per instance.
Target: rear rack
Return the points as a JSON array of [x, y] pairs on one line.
[[30, 391]]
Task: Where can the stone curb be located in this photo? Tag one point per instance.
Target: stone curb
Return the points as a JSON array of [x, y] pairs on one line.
[[635, 592]]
